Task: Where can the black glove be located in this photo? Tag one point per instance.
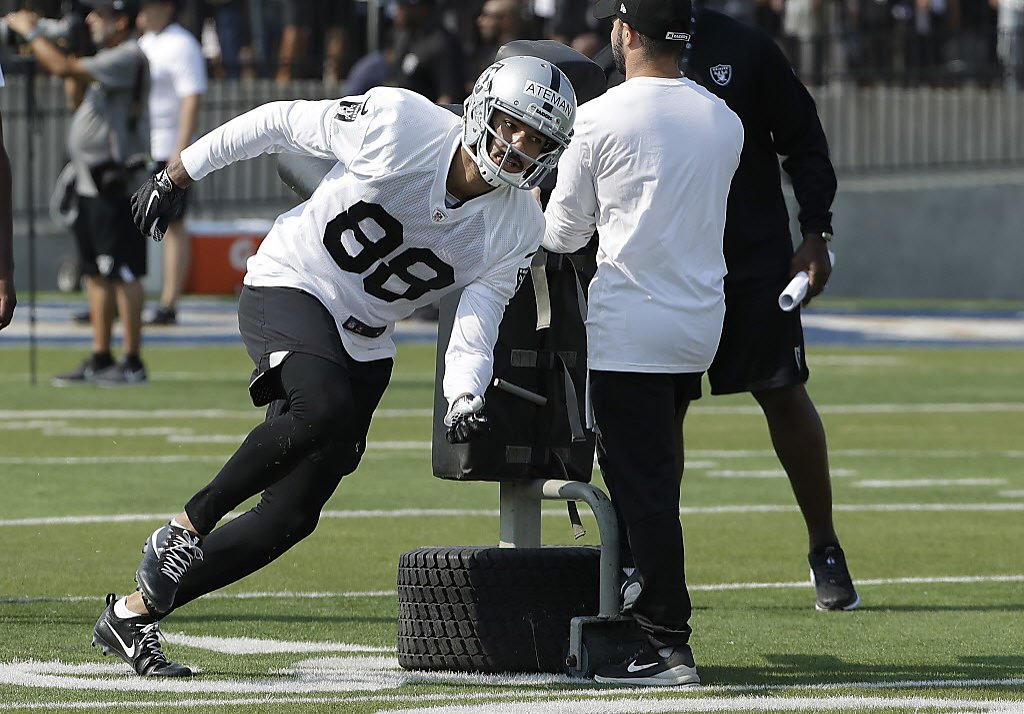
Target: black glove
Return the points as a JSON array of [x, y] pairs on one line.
[[157, 202], [465, 420]]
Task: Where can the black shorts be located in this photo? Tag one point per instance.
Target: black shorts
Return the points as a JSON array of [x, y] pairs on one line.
[[285, 320], [762, 347], [109, 244], [160, 166]]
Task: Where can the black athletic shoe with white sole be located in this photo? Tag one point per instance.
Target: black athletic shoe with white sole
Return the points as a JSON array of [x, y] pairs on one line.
[[833, 585], [121, 374], [136, 640], [665, 667], [84, 374], [166, 557]]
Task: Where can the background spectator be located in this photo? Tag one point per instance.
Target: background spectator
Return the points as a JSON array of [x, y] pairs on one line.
[[499, 21], [1010, 42], [109, 130], [227, 17], [178, 75], [427, 56]]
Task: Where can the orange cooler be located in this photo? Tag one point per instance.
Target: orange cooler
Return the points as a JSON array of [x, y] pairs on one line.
[[219, 252]]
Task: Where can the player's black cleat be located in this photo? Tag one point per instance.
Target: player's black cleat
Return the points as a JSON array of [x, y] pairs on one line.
[[136, 640], [665, 667], [831, 579], [166, 558]]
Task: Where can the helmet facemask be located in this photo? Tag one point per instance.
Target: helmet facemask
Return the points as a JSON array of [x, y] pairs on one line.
[[479, 130]]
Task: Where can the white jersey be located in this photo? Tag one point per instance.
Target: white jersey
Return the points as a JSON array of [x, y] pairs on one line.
[[653, 181], [376, 240], [177, 69]]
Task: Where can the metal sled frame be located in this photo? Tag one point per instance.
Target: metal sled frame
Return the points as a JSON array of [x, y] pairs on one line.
[[593, 640]]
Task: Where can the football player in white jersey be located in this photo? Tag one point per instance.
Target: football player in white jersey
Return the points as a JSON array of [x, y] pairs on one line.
[[419, 204]]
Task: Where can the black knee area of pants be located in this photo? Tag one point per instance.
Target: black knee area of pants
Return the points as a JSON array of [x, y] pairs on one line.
[[286, 527], [319, 406]]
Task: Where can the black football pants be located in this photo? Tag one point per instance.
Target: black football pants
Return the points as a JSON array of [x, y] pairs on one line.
[[296, 457], [637, 452]]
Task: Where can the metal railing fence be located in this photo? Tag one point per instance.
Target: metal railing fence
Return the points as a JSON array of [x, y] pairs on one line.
[[870, 128]]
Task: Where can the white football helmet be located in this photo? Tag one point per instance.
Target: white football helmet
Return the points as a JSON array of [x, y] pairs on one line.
[[532, 91]]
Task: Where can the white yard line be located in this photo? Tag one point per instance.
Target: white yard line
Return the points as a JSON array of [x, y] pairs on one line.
[[855, 361], [498, 703], [94, 414], [382, 449], [648, 705], [62, 431], [928, 482], [253, 645], [762, 473], [238, 438], [710, 587], [81, 460], [280, 595], [375, 675], [868, 453], [943, 408], [31, 424], [948, 408], [551, 512]]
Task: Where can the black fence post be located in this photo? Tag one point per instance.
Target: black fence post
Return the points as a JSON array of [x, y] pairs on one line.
[[33, 128]]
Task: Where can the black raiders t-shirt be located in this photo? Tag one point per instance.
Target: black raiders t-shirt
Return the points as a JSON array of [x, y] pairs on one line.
[[745, 67]]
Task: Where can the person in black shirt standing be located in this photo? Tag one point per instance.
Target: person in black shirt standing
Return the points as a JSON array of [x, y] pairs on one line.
[[762, 347], [427, 58]]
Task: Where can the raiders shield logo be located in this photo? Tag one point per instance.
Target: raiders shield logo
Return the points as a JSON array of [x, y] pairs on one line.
[[438, 215], [722, 74], [520, 277], [348, 111]]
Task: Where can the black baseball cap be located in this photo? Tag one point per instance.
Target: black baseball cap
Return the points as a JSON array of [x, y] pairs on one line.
[[658, 19], [125, 7]]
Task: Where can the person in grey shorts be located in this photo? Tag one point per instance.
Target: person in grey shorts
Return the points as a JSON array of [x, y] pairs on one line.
[[108, 133]]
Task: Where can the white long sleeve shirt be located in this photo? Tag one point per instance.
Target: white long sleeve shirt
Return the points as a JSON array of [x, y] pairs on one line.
[[649, 168], [376, 239]]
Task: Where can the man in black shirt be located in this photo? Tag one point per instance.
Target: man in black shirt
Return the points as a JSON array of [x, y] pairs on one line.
[[762, 347], [427, 58]]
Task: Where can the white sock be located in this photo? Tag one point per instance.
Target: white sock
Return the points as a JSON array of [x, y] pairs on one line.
[[174, 522], [666, 652], [628, 571], [121, 610]]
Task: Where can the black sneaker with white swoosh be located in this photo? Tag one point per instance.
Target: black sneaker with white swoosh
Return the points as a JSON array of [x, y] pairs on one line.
[[120, 375], [664, 667], [136, 640], [833, 585]]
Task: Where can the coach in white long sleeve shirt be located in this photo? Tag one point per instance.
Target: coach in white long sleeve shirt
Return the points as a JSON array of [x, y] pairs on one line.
[[649, 168]]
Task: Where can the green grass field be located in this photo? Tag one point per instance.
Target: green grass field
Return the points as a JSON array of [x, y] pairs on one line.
[[927, 450]]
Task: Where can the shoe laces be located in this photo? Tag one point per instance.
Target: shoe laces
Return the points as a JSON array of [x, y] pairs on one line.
[[149, 642], [181, 550], [831, 568]]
